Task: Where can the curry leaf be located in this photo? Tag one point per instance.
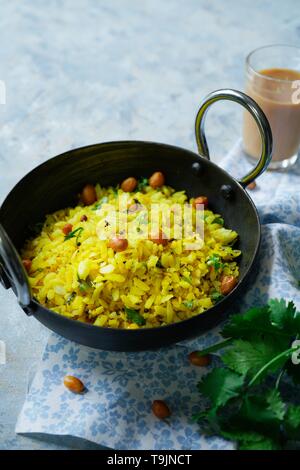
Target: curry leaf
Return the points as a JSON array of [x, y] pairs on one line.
[[84, 284], [74, 234]]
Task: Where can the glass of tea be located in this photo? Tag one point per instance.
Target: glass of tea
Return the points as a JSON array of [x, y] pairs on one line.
[[273, 81]]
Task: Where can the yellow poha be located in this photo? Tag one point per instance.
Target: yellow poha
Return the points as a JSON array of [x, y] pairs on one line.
[[76, 273]]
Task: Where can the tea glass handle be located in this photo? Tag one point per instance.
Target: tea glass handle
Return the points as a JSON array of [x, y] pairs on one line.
[[262, 123]]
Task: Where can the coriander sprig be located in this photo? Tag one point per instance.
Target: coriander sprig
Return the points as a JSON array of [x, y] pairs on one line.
[[246, 403]]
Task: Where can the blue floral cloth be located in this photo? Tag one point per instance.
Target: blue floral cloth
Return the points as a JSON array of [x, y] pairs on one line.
[[115, 412]]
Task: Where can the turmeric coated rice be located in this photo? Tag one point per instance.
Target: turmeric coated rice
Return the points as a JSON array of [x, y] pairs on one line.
[[76, 268]]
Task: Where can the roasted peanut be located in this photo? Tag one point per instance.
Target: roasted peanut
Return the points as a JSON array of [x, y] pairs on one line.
[[252, 185], [200, 361], [89, 195], [160, 409], [159, 239], [227, 284], [118, 244], [201, 200], [27, 264], [83, 218], [67, 229], [129, 185], [157, 180], [73, 384]]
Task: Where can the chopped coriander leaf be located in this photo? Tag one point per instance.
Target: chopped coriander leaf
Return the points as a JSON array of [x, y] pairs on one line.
[[215, 261], [135, 316], [74, 234], [187, 279], [142, 183], [188, 304], [217, 296], [99, 204], [218, 220], [144, 264], [116, 190]]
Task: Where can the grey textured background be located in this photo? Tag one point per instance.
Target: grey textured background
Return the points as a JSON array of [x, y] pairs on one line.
[[79, 72]]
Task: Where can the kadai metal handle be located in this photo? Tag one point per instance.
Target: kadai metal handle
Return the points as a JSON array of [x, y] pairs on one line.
[[12, 271], [260, 118]]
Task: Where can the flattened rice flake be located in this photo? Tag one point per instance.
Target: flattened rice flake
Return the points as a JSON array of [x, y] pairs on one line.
[[83, 279]]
